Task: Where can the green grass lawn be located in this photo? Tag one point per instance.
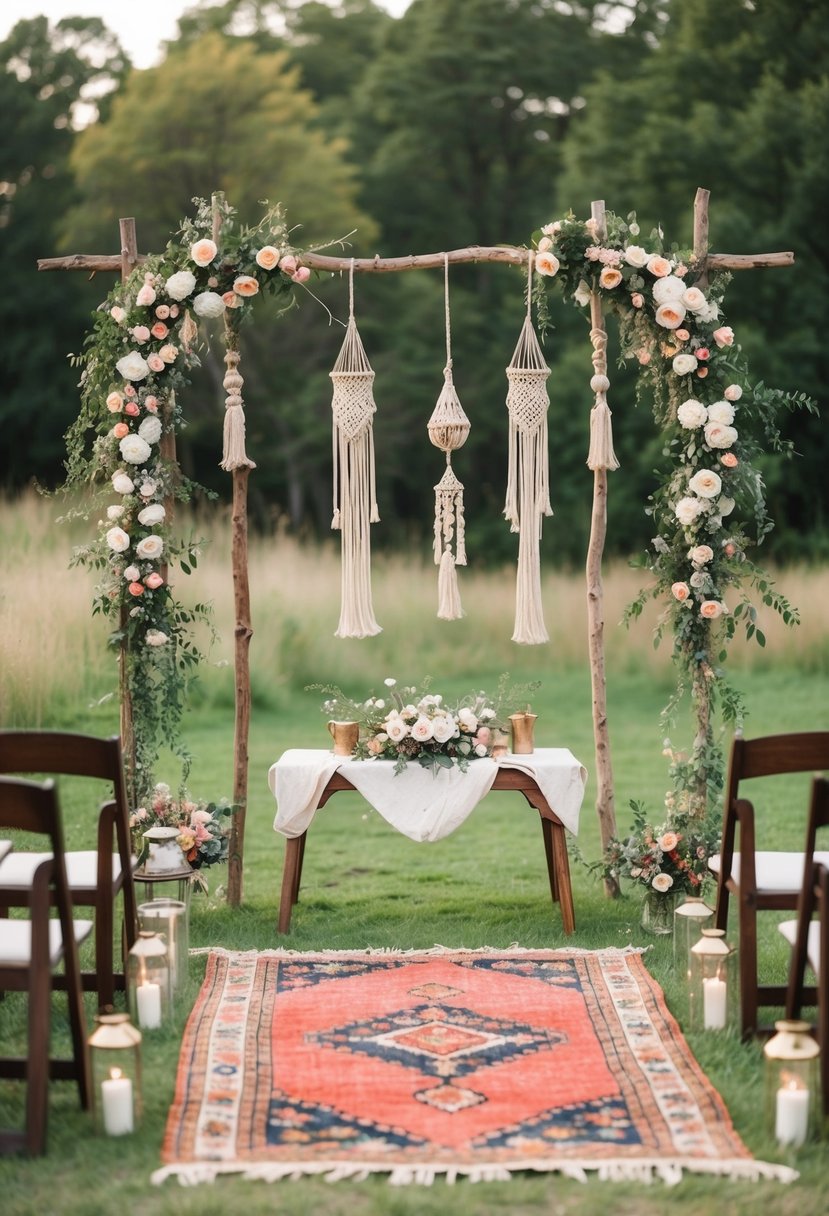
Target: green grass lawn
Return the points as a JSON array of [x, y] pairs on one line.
[[365, 885]]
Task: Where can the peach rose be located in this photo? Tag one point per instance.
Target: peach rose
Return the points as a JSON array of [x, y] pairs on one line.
[[267, 257], [711, 609], [130, 391], [174, 310], [203, 252], [702, 372], [132, 409], [683, 335], [155, 363], [163, 312], [115, 403], [136, 589], [733, 392], [160, 330], [644, 357], [154, 580], [680, 591], [670, 315], [288, 264], [658, 266], [231, 300], [146, 296], [245, 285], [546, 263], [610, 277], [120, 430], [168, 353], [729, 460], [140, 333], [724, 336]]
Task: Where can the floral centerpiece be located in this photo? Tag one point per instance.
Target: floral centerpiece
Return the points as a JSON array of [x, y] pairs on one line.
[[410, 723], [203, 827]]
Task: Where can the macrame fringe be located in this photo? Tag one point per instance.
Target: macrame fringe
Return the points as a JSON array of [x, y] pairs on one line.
[[233, 435], [601, 454], [667, 1170], [449, 596]]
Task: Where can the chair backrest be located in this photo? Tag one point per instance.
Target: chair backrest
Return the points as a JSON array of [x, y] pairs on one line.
[[774, 755], [31, 806], [818, 816]]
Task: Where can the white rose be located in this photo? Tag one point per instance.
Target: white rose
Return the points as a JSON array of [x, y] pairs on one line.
[[669, 288], [662, 882], [635, 255], [721, 411], [118, 314], [706, 483], [133, 366], [726, 505], [691, 414], [180, 284], [150, 429], [396, 729], [154, 637], [480, 750], [132, 573], [208, 304], [114, 513], [693, 299], [670, 315], [699, 555], [733, 392], [118, 540], [148, 488], [719, 436], [134, 449], [152, 515], [443, 729], [709, 313], [422, 730], [683, 365], [122, 483], [687, 510], [151, 547], [468, 720], [699, 579], [146, 296]]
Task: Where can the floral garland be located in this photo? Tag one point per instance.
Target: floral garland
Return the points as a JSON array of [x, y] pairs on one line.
[[139, 354], [692, 367]]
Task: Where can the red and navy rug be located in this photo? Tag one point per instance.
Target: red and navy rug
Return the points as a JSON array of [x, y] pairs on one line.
[[443, 1062]]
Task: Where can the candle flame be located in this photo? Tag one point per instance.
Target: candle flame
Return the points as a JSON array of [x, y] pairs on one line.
[[114, 1074]]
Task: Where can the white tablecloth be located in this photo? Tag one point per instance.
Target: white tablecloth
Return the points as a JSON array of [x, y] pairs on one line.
[[420, 804]]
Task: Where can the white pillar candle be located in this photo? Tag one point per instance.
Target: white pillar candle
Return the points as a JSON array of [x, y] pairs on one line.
[[715, 992], [148, 1000], [116, 1099], [791, 1115]]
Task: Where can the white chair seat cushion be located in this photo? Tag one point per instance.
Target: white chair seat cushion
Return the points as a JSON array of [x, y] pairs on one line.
[[17, 870], [16, 941], [789, 930], [775, 872]]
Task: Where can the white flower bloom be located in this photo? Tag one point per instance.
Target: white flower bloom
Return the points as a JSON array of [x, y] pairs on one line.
[[693, 299], [669, 288], [422, 730], [122, 483], [134, 449], [733, 392], [582, 293], [180, 284], [150, 429], [154, 637], [118, 314], [132, 573], [148, 488], [133, 366], [699, 579], [396, 729], [699, 555], [444, 728], [151, 547], [390, 683], [709, 313], [691, 414], [633, 229], [687, 510], [706, 483], [480, 750], [635, 255], [719, 436], [726, 505], [683, 365], [146, 296], [378, 704], [721, 411], [467, 720], [662, 882], [114, 513], [152, 515], [118, 540], [486, 714], [208, 304]]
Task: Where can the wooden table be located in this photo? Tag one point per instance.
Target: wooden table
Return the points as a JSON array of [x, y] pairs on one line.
[[555, 847]]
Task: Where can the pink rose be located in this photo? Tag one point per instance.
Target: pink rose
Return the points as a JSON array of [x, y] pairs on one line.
[[658, 266], [153, 581], [160, 330], [484, 735], [130, 391], [301, 274], [168, 353], [212, 282], [729, 547], [637, 299], [155, 363], [231, 300], [120, 430], [288, 264], [174, 310], [724, 336], [132, 409], [644, 357], [733, 392], [245, 285], [610, 277], [729, 460], [702, 352], [146, 296], [162, 312], [136, 589], [682, 335], [140, 333], [151, 403], [702, 372], [115, 403], [680, 591]]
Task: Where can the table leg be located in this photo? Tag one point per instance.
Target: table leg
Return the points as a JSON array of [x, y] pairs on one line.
[[293, 848], [547, 829], [562, 868], [298, 867]]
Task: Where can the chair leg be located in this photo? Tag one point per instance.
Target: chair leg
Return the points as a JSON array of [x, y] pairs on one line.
[[104, 960], [37, 1064], [748, 969]]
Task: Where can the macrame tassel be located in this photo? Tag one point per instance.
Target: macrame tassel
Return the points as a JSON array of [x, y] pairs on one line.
[[233, 447], [449, 596], [528, 479], [601, 454], [355, 497]]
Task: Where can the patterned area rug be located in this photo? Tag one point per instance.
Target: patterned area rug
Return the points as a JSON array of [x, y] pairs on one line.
[[442, 1062]]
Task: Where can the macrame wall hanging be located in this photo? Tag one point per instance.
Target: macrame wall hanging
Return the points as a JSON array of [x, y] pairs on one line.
[[448, 430], [528, 493], [355, 496]]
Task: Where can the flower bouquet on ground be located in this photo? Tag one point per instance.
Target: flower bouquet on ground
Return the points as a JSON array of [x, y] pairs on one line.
[[669, 859], [409, 723], [203, 827]]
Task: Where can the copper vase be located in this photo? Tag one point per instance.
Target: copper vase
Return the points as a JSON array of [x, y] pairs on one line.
[[522, 733]]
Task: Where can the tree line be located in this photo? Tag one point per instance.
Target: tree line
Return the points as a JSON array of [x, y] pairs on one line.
[[461, 122]]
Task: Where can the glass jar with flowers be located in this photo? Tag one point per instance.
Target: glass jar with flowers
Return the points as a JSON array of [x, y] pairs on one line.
[[411, 724], [203, 828], [669, 861]]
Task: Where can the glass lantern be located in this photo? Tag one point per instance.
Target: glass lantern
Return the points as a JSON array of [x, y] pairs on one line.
[[115, 1057], [168, 918], [713, 988], [690, 919], [148, 981], [791, 1083]]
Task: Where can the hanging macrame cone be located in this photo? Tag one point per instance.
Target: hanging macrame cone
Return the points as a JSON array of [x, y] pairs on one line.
[[448, 430], [528, 493], [355, 502], [233, 445], [601, 454]]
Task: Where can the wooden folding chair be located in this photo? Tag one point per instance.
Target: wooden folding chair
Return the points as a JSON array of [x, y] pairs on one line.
[[760, 880], [30, 949], [808, 936], [95, 876]]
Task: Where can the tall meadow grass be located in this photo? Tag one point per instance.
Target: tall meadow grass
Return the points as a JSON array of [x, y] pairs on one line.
[[55, 662]]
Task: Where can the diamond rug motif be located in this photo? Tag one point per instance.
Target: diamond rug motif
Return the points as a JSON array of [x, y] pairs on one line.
[[442, 1062]]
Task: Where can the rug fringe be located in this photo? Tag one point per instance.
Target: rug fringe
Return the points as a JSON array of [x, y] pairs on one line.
[[393, 951], [649, 1170]]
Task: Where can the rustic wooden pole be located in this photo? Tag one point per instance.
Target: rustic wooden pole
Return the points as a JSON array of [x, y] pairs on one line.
[[605, 794], [128, 257]]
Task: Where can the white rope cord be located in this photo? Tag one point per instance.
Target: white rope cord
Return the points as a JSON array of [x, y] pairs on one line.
[[354, 482], [528, 494]]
